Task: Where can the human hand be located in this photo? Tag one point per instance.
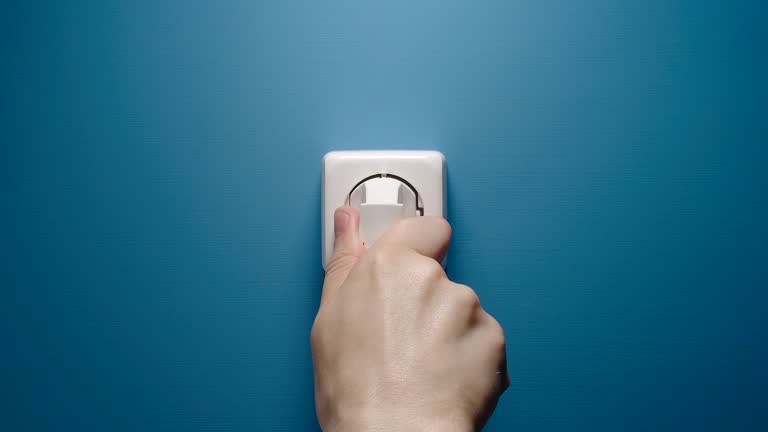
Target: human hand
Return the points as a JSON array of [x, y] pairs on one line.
[[396, 346]]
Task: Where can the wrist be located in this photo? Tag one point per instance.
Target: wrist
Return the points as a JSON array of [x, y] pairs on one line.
[[399, 422]]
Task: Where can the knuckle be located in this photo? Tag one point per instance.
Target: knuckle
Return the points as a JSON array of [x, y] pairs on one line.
[[432, 269], [496, 333], [436, 225], [467, 297], [441, 225], [314, 336], [317, 334]]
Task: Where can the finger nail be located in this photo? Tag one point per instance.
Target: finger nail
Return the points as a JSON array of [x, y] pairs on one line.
[[340, 222]]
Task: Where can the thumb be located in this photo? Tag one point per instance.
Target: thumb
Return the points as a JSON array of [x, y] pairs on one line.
[[347, 248]]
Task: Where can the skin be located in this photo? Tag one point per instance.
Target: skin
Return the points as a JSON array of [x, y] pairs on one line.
[[396, 345]]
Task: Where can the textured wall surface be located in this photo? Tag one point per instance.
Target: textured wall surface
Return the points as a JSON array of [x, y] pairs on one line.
[[161, 171]]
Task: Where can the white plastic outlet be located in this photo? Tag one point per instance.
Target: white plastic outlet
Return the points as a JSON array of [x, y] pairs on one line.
[[384, 185]]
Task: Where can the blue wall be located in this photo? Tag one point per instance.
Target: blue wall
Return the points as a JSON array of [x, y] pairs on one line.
[[160, 233]]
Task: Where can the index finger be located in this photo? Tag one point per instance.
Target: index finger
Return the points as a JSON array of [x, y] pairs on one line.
[[428, 235]]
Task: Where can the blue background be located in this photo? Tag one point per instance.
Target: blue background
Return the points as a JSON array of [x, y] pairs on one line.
[[161, 173]]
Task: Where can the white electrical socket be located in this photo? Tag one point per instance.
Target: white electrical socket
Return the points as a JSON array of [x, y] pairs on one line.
[[384, 185]]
